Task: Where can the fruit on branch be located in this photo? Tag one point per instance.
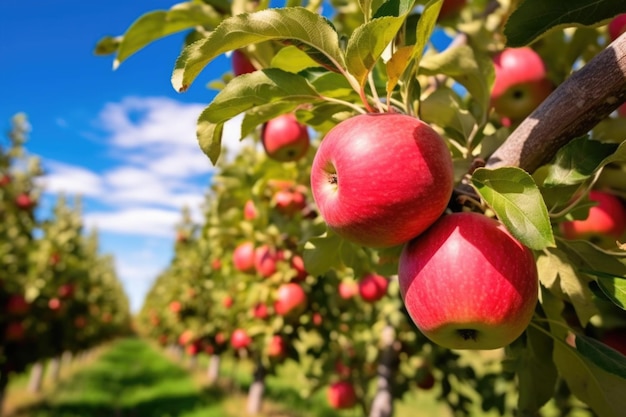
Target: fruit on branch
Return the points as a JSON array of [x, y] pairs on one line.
[[80, 322], [617, 26], [227, 301], [373, 287], [605, 223], [260, 311], [467, 283], [24, 201], [277, 347], [265, 260], [66, 290], [289, 201], [290, 300], [241, 64], [297, 264], [185, 337], [175, 307], [450, 8], [250, 211], [616, 339], [5, 179], [240, 339], [243, 257], [425, 378], [285, 139], [14, 331], [379, 180], [17, 305], [54, 304], [341, 395], [348, 289], [521, 83]]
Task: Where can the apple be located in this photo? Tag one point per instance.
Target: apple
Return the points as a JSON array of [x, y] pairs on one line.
[[240, 339], [80, 322], [607, 219], [260, 311], [175, 307], [5, 179], [317, 319], [54, 304], [285, 139], [14, 331], [450, 8], [243, 257], [17, 305], [265, 260], [348, 289], [24, 201], [520, 84], [341, 395], [621, 110], [227, 302], [616, 339], [250, 211], [220, 338], [216, 264], [277, 347], [373, 287], [192, 349], [241, 64], [66, 290], [290, 299], [185, 337], [617, 26], [467, 283], [55, 258], [289, 202], [297, 264], [342, 369], [379, 180], [425, 378]]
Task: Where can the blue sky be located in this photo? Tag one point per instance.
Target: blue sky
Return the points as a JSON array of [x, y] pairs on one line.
[[124, 140]]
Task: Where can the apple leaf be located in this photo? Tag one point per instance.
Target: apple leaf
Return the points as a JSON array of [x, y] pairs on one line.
[[612, 288], [534, 18], [601, 355], [294, 25], [261, 114], [160, 23], [292, 59], [367, 43], [244, 93], [577, 161], [442, 108], [513, 195], [322, 253], [472, 69]]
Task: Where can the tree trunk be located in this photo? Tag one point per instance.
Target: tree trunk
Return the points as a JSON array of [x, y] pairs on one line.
[[54, 369], [213, 370], [255, 394], [382, 405], [36, 377]]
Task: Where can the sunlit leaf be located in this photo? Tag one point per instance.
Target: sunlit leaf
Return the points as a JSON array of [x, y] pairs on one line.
[[514, 197], [601, 355]]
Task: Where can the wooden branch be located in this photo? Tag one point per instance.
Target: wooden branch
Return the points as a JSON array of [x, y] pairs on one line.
[[575, 107]]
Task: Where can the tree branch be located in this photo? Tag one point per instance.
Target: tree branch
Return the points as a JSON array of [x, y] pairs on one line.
[[575, 107]]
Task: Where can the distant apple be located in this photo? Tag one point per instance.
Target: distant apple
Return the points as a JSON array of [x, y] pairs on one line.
[[290, 299], [348, 289], [216, 264], [220, 338], [17, 305], [5, 180], [285, 139], [317, 319], [265, 260], [66, 290], [250, 211], [341, 395], [379, 180], [260, 311], [241, 63], [55, 258], [240, 339], [80, 322], [243, 257], [343, 370], [185, 337], [616, 339], [24, 201], [425, 378], [297, 264], [175, 307], [606, 221], [373, 287], [521, 83], [468, 284], [54, 304], [289, 202], [14, 331], [617, 26], [227, 302], [277, 347]]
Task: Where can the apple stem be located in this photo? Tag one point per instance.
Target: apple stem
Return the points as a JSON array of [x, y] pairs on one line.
[[468, 334]]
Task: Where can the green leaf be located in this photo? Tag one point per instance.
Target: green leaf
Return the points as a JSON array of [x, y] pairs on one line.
[[534, 18], [471, 68], [107, 45], [577, 161], [442, 108], [367, 44], [322, 254], [160, 23], [297, 25], [292, 59], [244, 93], [613, 288], [601, 355], [514, 197]]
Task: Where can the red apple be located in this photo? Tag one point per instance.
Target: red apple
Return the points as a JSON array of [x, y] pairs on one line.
[[621, 110], [617, 26], [241, 63], [317, 319], [265, 259], [55, 258], [260, 311], [277, 347], [342, 369], [227, 302], [607, 219], [14, 332], [290, 299], [285, 139], [297, 264], [220, 338], [250, 211], [243, 257], [348, 289], [5, 179], [468, 284], [616, 339], [341, 395], [521, 83], [240, 339], [289, 202], [216, 264], [373, 287], [66, 290], [450, 8], [175, 307], [379, 180], [54, 304], [185, 337], [24, 201], [17, 305]]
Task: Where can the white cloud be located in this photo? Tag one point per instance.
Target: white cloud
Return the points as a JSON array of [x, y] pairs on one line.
[[71, 179], [138, 221]]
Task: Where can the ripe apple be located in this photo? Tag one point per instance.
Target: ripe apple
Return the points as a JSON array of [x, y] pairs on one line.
[[66, 290], [521, 83], [185, 337], [14, 332], [216, 264], [617, 26], [54, 304], [192, 349], [450, 8], [277, 347], [348, 289], [260, 311], [250, 211], [297, 264], [467, 283], [341, 395], [606, 220], [220, 338], [80, 322], [285, 139], [317, 319], [373, 287], [290, 299], [241, 63], [379, 180], [243, 257], [265, 259], [5, 179], [289, 202], [175, 307], [17, 305], [615, 338], [227, 302], [240, 339], [24, 201], [55, 258]]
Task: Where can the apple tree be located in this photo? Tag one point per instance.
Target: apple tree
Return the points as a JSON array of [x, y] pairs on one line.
[[523, 96]]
